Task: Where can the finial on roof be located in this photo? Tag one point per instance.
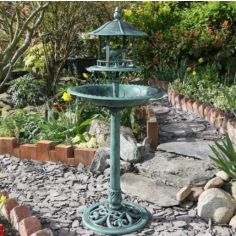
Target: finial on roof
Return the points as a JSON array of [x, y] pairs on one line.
[[117, 14]]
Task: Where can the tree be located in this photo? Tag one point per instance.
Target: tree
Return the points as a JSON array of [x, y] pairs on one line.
[[61, 26], [19, 22]]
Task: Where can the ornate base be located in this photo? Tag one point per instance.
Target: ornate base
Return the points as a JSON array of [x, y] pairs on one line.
[[102, 219]]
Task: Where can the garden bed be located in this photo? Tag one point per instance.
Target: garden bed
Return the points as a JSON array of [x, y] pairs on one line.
[[220, 119]]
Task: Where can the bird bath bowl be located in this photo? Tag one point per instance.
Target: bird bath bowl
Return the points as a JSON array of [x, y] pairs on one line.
[[116, 95]]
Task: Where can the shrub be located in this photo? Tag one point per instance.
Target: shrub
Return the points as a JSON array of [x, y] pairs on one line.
[[27, 90]]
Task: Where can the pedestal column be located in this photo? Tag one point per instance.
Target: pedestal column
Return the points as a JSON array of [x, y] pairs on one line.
[[115, 191]]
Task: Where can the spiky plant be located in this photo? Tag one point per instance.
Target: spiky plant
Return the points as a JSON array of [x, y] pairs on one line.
[[225, 156]]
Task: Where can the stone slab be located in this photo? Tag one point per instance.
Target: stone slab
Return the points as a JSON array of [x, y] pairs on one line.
[[182, 129], [177, 171], [188, 147], [159, 110], [148, 190]]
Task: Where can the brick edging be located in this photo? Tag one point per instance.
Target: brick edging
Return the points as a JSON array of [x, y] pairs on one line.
[[21, 219], [45, 150], [214, 116]]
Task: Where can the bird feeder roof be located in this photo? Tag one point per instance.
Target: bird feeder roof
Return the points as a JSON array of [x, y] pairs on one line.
[[117, 27]]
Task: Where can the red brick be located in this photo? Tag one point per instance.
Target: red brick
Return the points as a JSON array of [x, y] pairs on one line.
[[165, 85], [16, 152], [28, 151], [196, 106], [223, 127], [213, 115], [150, 113], [173, 95], [42, 150], [140, 112], [189, 105], [7, 144], [17, 214], [152, 132], [84, 155], [183, 103], [29, 226], [169, 92], [43, 232], [201, 110], [206, 112], [63, 152], [52, 156], [71, 161], [219, 120], [151, 82], [177, 101], [7, 207]]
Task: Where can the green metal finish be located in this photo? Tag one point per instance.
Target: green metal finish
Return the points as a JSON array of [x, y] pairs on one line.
[[115, 216], [128, 95], [129, 218], [114, 69], [117, 27]]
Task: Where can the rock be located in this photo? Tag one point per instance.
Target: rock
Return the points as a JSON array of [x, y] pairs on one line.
[[233, 222], [195, 193], [189, 147], [175, 170], [217, 205], [125, 166], [101, 130], [223, 175], [99, 162], [148, 190], [159, 110], [182, 129], [216, 182], [146, 144], [233, 189], [129, 150], [183, 193], [5, 98]]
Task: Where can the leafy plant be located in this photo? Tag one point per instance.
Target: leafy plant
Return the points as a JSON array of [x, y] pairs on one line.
[[27, 90], [225, 157], [34, 59]]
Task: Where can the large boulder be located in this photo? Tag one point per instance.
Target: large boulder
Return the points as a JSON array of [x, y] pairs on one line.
[[217, 205], [129, 150]]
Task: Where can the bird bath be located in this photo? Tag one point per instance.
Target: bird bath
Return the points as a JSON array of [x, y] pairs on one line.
[[115, 216]]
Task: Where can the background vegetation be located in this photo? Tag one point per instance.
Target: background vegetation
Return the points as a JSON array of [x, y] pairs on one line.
[[190, 44]]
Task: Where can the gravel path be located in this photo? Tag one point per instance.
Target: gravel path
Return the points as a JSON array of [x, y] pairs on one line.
[[58, 195]]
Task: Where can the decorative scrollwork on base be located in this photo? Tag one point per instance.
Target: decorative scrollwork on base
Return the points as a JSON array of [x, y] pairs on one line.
[[104, 216]]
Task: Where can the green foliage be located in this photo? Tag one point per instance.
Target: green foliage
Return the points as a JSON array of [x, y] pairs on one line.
[[27, 90], [225, 157], [203, 83], [23, 124], [128, 118], [184, 31], [34, 59]]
